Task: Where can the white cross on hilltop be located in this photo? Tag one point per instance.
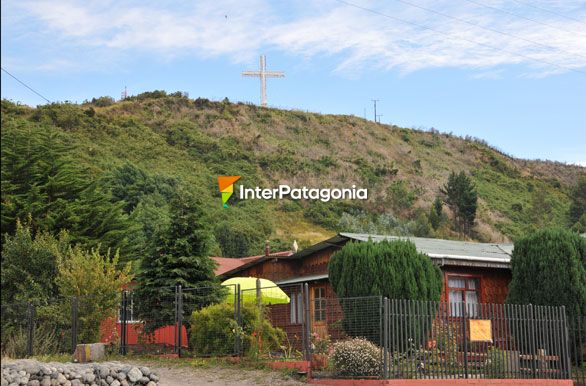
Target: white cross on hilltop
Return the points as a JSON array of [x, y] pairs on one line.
[[263, 74]]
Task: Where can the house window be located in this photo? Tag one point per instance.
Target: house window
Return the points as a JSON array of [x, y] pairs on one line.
[[319, 304], [463, 295], [296, 305]]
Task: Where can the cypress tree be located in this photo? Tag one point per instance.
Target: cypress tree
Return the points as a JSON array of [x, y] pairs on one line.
[[549, 268], [393, 269], [40, 179]]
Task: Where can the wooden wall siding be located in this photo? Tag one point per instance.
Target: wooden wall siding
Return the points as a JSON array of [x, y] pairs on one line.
[[494, 282], [272, 270], [317, 263]]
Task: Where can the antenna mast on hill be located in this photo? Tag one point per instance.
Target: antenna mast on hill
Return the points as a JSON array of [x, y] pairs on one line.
[[124, 94], [263, 74]]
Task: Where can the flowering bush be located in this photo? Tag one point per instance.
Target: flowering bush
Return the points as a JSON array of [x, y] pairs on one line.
[[356, 357]]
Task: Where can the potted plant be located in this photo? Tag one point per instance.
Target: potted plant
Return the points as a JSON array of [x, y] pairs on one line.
[[320, 347]]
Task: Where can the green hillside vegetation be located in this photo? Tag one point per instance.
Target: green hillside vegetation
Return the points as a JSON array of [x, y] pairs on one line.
[[106, 171]]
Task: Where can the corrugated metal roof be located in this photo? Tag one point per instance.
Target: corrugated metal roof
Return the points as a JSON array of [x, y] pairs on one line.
[[302, 279], [449, 251], [452, 249]]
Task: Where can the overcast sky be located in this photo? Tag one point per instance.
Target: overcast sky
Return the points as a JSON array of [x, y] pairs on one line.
[[511, 72]]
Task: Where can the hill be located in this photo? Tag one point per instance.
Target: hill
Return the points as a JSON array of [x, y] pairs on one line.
[[188, 143]]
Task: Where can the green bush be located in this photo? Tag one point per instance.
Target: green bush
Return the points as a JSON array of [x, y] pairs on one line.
[[214, 331], [496, 363], [356, 357]]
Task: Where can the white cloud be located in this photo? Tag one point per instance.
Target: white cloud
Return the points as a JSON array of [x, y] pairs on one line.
[[358, 39]]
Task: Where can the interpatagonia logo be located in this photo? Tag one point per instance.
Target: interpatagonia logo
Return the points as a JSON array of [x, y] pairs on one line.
[[226, 184]]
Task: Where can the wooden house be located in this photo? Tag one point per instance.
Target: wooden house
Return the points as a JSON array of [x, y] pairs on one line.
[[473, 273]]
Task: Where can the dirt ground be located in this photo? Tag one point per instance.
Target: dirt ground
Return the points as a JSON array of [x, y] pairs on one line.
[[171, 375]]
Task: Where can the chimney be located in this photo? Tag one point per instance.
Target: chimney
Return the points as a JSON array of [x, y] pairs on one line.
[[267, 247]]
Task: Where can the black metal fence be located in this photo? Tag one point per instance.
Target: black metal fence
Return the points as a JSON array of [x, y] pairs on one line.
[[577, 339], [430, 340], [412, 339], [53, 326]]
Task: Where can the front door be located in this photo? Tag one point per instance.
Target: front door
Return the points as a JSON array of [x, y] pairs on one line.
[[318, 310]]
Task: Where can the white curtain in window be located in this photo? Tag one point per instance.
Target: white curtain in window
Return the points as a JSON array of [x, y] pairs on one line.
[[456, 282], [472, 303], [293, 308], [455, 299]]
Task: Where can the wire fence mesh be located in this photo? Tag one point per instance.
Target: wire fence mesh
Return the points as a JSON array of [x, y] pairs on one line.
[[405, 338]]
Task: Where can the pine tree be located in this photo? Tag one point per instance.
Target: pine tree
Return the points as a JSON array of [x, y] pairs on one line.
[[462, 199], [181, 258]]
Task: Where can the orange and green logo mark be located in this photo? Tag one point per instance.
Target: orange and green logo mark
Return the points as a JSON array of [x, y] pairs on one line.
[[226, 184]]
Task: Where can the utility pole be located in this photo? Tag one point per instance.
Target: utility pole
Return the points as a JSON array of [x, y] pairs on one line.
[[378, 117], [375, 116]]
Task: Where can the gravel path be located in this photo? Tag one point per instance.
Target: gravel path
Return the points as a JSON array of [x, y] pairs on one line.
[[173, 375]]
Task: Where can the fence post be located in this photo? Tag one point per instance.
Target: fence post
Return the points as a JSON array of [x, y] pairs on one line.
[[385, 337], [568, 363], [465, 336], [123, 317], [74, 303], [179, 319], [307, 318], [237, 319], [258, 293], [31, 329]]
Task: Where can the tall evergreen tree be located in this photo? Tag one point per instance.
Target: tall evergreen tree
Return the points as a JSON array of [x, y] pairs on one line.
[[462, 199], [181, 257], [549, 268], [41, 179], [393, 269]]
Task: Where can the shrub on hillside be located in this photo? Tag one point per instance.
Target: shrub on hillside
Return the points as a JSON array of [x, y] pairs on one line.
[[356, 357]]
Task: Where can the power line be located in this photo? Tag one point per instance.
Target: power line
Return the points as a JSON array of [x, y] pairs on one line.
[[453, 36], [549, 11], [485, 28], [523, 17], [25, 85]]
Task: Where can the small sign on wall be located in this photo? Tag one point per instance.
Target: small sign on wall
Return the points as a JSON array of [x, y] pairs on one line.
[[480, 330]]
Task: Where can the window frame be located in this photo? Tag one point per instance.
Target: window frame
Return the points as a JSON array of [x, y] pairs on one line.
[[462, 291], [322, 301]]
